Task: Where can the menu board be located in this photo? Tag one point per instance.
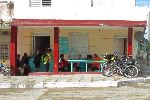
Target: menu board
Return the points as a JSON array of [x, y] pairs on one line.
[[63, 45]]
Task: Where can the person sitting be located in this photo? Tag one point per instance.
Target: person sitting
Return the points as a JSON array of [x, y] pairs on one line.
[[63, 63], [2, 63], [20, 69], [89, 57], [80, 65], [95, 65], [25, 62]]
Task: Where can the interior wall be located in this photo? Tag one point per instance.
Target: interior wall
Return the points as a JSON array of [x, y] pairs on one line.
[[101, 40], [25, 40]]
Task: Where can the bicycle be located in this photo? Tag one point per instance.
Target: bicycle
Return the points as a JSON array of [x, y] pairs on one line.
[[5, 69]]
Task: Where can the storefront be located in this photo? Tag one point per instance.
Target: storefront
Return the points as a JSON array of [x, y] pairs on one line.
[[73, 37]]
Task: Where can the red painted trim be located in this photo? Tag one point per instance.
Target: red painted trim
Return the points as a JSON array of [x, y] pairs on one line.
[[56, 49], [13, 48], [130, 33], [61, 73], [52, 22]]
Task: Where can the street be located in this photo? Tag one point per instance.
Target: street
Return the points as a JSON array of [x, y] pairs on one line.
[[131, 92]]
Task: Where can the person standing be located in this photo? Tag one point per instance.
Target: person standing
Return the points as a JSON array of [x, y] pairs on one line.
[[46, 57], [37, 60]]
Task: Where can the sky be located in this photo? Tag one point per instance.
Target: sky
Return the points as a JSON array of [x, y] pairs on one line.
[[141, 3]]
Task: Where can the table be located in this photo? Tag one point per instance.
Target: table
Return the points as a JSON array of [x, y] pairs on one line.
[[86, 62]]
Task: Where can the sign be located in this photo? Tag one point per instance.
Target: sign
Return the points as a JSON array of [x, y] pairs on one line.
[[63, 45]]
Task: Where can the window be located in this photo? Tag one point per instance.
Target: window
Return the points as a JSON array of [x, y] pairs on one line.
[[40, 3], [35, 3], [4, 51], [4, 33], [78, 44], [46, 2]]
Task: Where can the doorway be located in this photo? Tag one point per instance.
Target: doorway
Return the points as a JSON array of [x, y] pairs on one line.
[[40, 43], [121, 46]]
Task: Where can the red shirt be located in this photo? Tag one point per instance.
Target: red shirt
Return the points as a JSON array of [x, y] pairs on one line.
[[96, 64]]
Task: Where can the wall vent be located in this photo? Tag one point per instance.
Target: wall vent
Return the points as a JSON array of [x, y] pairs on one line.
[[40, 3]]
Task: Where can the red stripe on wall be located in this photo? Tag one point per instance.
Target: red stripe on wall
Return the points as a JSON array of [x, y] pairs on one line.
[[56, 49], [13, 48], [130, 33], [54, 22]]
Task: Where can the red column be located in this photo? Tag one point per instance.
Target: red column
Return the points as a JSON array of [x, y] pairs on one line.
[[130, 33], [56, 49], [13, 48]]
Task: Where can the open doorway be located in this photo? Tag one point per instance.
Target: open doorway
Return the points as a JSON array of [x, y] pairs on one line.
[[40, 43], [120, 46]]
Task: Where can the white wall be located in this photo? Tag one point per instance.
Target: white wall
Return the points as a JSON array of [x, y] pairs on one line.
[[81, 10], [114, 3], [148, 26]]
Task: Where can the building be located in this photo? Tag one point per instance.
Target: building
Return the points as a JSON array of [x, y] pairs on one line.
[[75, 27], [148, 27], [5, 31]]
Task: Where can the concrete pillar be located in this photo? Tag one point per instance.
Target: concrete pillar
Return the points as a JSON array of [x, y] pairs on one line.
[[130, 35], [13, 48], [56, 49]]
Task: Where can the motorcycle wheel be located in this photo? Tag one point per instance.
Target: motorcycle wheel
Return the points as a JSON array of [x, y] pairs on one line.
[[131, 71]]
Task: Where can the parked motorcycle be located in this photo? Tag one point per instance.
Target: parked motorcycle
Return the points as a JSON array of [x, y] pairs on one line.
[[124, 66]]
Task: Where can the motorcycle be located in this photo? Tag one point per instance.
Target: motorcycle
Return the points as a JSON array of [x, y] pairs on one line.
[[133, 68], [124, 67]]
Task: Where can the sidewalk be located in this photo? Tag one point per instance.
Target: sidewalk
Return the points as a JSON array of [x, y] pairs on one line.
[[63, 81]]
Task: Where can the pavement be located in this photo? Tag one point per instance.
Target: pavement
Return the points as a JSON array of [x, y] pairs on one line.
[[69, 81]]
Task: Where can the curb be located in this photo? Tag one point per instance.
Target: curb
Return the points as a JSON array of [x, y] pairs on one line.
[[130, 81], [60, 84], [133, 81], [118, 83], [76, 84]]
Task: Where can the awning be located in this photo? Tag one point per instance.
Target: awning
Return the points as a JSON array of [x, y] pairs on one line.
[[53, 22]]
